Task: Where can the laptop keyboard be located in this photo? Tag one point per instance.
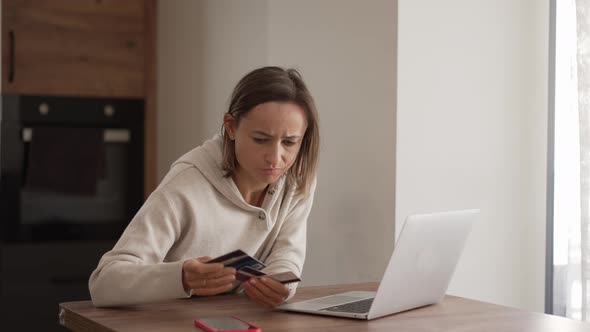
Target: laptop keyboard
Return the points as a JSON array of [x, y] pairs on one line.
[[361, 306]]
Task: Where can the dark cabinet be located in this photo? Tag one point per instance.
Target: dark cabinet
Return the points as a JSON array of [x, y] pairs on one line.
[[74, 47], [35, 278], [70, 48]]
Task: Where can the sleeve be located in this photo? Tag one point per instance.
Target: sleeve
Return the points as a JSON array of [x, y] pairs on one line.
[[288, 252], [133, 271]]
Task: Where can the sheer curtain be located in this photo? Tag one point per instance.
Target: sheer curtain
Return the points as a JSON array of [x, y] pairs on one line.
[[571, 288]]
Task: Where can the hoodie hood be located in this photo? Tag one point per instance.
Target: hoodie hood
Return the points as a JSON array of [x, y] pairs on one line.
[[208, 158]]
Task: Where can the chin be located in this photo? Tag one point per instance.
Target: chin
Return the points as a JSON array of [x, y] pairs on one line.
[[270, 179]]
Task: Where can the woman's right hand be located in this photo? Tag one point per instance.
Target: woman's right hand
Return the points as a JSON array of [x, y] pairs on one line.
[[207, 279]]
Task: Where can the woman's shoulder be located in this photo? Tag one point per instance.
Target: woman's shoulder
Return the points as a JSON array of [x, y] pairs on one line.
[[198, 166], [183, 178], [291, 189]]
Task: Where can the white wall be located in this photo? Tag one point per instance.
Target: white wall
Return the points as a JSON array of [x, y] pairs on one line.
[[347, 57], [472, 110], [471, 120], [204, 48]]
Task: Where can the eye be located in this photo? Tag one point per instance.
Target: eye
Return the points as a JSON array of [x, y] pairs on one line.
[[259, 140], [289, 143]]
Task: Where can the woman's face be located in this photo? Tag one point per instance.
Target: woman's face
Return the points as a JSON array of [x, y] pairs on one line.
[[267, 141]]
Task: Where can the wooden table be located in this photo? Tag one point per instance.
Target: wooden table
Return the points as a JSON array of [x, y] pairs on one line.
[[452, 314]]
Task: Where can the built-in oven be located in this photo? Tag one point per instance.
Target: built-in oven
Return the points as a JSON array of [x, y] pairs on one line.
[[71, 168]]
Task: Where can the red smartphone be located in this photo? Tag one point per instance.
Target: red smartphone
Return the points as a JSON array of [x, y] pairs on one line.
[[226, 324]]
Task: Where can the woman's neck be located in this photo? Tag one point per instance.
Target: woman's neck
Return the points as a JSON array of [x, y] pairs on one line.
[[252, 194]]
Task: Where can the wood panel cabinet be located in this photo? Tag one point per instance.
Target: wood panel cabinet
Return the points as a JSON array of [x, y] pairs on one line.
[[74, 47]]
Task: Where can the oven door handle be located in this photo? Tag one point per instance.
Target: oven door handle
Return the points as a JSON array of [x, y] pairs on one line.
[[110, 135]]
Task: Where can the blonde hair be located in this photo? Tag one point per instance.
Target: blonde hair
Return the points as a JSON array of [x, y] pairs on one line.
[[279, 85]]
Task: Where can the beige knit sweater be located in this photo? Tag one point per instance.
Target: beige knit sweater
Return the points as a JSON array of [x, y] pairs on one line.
[[195, 212]]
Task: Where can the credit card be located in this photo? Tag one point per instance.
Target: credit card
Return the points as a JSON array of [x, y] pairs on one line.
[[284, 277], [227, 257], [238, 259], [247, 273]]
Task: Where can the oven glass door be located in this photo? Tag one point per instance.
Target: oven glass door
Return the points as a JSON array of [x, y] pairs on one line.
[[74, 184], [96, 194], [71, 168]]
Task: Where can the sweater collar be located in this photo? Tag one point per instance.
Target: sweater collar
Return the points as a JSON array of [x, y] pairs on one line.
[[208, 158]]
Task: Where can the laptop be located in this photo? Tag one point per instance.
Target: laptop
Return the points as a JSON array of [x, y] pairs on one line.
[[418, 273]]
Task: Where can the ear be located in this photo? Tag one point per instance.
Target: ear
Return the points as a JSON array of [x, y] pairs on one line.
[[229, 123]]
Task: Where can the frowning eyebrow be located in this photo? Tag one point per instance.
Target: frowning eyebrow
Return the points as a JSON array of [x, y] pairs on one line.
[[262, 133]]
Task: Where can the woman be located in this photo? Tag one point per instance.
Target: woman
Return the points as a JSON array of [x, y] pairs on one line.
[[250, 188]]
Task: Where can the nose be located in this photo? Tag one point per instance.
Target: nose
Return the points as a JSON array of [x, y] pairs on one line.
[[273, 155]]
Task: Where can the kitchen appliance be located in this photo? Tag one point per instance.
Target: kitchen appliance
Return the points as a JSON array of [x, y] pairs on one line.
[[71, 167], [71, 179]]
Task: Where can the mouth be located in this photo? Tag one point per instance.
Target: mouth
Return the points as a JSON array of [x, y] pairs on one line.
[[271, 171]]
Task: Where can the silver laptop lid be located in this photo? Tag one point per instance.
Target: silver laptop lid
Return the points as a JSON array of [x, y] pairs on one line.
[[423, 261]]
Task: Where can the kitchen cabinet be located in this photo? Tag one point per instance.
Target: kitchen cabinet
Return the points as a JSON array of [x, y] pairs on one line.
[[74, 47], [71, 48]]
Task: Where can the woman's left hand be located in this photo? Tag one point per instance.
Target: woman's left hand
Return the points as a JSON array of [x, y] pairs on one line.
[[266, 291]]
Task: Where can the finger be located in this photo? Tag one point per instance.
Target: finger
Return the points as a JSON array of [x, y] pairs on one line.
[[226, 271], [216, 282], [276, 286], [204, 259], [257, 301], [192, 276], [269, 294], [210, 283], [274, 296], [200, 281], [213, 290], [202, 268], [195, 266], [256, 296]]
